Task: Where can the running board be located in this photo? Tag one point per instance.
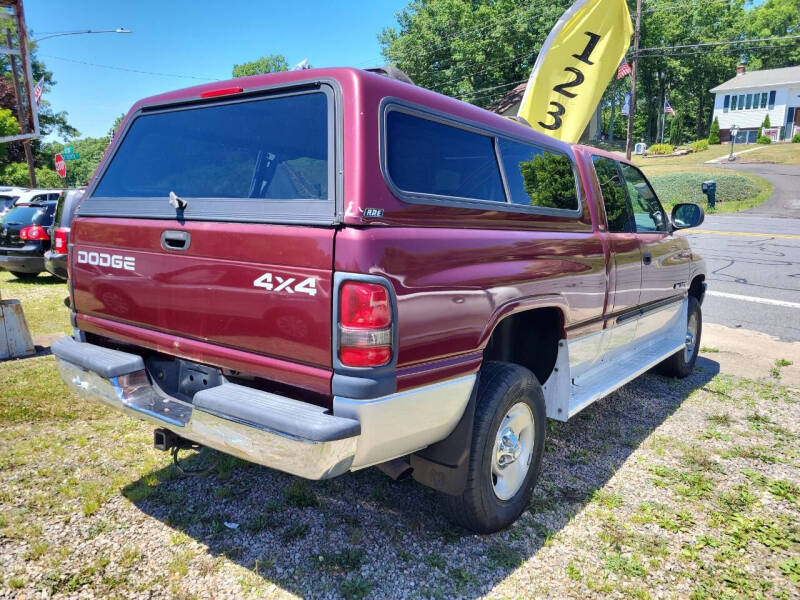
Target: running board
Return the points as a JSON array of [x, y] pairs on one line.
[[593, 366], [600, 384]]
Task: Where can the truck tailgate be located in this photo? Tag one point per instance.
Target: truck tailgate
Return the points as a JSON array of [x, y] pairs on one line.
[[255, 287]]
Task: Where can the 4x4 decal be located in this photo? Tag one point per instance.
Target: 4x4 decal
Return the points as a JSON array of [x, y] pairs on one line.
[[276, 283]]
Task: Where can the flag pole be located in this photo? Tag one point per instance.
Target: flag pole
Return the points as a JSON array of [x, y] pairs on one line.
[[635, 59]]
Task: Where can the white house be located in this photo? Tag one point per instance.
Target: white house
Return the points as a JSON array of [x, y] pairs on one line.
[[746, 99]]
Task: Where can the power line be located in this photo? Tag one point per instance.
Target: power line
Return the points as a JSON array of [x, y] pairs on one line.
[[486, 89], [723, 43], [116, 68]]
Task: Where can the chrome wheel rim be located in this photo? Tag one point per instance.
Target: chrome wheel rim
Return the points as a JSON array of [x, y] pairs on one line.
[[512, 451], [691, 338]]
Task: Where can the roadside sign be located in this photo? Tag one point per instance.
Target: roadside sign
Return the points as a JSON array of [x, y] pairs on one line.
[[70, 155], [61, 166], [67, 150]]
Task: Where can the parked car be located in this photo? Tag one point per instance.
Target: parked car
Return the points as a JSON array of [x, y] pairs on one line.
[[37, 196], [326, 270], [24, 238], [55, 259], [8, 196]]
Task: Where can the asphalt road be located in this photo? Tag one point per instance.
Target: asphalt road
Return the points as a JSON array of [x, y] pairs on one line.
[[753, 259]]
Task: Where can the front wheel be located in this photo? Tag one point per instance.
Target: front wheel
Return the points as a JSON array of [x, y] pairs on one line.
[[506, 451], [681, 364]]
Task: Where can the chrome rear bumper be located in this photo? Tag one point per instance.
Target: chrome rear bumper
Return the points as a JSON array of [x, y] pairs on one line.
[[134, 395], [274, 431]]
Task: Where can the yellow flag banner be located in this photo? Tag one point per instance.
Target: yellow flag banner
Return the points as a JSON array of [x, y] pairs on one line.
[[574, 66]]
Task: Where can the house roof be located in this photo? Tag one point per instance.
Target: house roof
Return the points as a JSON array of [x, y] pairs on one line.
[[508, 100], [767, 77]]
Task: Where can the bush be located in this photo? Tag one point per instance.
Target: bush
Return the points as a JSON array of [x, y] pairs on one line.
[[699, 145], [713, 135], [661, 149], [796, 138], [766, 122], [685, 187], [676, 130], [762, 139]]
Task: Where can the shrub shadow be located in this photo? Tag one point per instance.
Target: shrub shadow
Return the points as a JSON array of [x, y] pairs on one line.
[[365, 535]]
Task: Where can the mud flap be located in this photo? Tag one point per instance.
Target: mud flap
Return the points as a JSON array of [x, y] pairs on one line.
[[443, 466]]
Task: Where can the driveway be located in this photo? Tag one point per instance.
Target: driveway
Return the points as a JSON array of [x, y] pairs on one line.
[[785, 199], [753, 259]]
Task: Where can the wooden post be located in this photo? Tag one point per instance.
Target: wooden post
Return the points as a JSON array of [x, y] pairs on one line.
[[23, 115], [634, 61]]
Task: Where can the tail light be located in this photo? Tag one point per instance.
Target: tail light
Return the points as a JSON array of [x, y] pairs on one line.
[[60, 242], [365, 325], [33, 233]]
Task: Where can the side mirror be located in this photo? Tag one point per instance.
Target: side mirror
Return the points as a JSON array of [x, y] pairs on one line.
[[686, 215]]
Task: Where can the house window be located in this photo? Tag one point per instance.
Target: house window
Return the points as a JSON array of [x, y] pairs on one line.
[[772, 99], [733, 102], [726, 103], [749, 101], [741, 101], [764, 100]]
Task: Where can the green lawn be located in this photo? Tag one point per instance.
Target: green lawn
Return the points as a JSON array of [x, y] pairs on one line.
[[42, 300], [735, 190]]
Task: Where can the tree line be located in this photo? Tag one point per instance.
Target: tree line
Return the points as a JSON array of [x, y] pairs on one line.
[[477, 50]]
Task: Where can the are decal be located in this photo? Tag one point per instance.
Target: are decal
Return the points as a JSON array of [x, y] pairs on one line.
[[276, 283], [101, 259]]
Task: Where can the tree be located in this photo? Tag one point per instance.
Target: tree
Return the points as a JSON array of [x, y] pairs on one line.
[[115, 127], [8, 126], [765, 124], [676, 130], [713, 136], [49, 120], [265, 64], [16, 173], [471, 49], [774, 18], [80, 171]]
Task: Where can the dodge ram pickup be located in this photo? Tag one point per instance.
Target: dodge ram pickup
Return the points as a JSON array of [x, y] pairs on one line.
[[325, 270]]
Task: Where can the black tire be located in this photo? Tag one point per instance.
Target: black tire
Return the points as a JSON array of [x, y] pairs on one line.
[[24, 276], [501, 387], [681, 364]]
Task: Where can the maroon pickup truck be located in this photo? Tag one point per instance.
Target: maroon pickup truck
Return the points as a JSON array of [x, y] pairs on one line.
[[325, 270]]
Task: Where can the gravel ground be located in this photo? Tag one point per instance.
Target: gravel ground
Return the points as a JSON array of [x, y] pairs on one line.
[[666, 489]]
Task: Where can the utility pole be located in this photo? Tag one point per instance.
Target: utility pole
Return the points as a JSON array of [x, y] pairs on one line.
[[635, 60], [22, 109]]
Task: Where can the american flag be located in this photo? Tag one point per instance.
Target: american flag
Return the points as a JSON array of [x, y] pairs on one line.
[[624, 69], [668, 110], [37, 91]]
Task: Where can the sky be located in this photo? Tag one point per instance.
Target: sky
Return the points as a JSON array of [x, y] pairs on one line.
[[189, 43]]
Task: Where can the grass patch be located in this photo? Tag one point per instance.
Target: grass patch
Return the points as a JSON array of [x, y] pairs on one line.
[[298, 495], [720, 419], [342, 561], [355, 587], [42, 301], [733, 190], [500, 555]]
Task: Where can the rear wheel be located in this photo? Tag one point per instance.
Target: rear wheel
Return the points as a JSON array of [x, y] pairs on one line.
[[506, 451], [681, 364], [19, 275]]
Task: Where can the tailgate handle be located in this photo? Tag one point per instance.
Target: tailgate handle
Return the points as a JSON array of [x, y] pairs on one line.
[[176, 240]]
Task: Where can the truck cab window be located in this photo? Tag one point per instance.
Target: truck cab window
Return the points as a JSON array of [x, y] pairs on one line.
[[538, 177], [647, 211], [618, 210]]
